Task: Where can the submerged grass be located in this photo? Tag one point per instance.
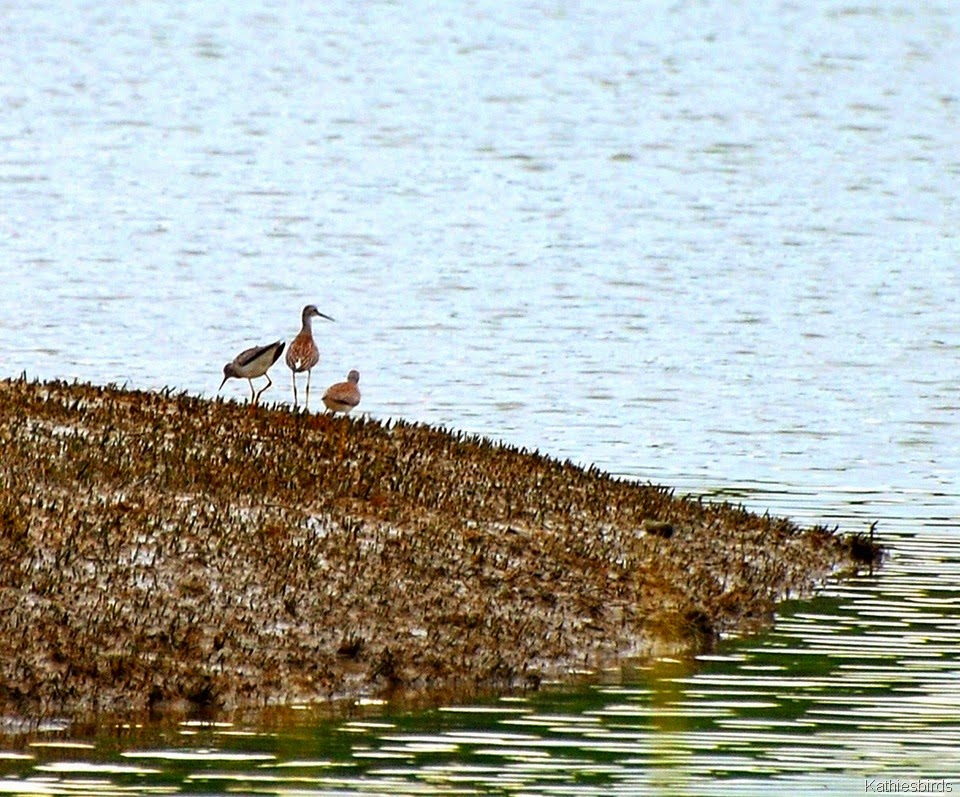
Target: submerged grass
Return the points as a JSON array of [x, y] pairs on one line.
[[164, 552]]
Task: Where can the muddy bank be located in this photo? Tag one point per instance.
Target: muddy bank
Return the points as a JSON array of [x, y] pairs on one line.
[[167, 552]]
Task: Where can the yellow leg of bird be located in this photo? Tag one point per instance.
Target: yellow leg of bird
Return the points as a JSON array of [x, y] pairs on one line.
[[293, 375], [265, 387]]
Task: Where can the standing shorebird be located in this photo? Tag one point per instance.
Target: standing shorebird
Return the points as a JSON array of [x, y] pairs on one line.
[[343, 396], [303, 354], [251, 363]]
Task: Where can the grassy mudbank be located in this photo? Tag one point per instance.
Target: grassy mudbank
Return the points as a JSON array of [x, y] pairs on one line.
[[167, 551]]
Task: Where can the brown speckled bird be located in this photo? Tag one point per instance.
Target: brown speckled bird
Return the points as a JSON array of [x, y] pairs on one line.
[[303, 354], [343, 396]]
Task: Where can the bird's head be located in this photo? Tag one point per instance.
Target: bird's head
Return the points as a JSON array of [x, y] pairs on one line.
[[311, 311], [229, 370]]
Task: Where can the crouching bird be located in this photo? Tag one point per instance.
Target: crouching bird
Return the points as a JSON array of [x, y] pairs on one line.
[[343, 396]]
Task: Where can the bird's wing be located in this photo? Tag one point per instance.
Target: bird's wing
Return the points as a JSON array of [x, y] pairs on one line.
[[247, 356], [342, 393]]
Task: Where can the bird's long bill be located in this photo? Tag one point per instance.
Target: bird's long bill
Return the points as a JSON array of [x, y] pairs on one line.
[[222, 383], [324, 316]]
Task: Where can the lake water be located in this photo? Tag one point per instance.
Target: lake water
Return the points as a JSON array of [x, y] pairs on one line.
[[707, 244]]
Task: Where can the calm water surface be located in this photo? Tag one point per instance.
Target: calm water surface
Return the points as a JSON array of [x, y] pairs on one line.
[[710, 244]]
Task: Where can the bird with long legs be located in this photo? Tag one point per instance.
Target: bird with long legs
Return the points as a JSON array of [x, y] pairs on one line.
[[303, 355], [253, 363]]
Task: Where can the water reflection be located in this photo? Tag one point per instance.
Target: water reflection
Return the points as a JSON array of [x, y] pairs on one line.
[[860, 682]]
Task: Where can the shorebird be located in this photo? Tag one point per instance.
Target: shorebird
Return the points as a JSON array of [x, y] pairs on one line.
[[303, 354], [251, 363], [343, 396]]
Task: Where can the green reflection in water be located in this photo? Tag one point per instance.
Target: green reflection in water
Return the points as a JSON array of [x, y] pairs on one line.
[[859, 683]]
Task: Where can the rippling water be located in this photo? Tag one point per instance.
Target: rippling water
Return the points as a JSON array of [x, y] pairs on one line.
[[710, 244], [856, 686], [686, 239]]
